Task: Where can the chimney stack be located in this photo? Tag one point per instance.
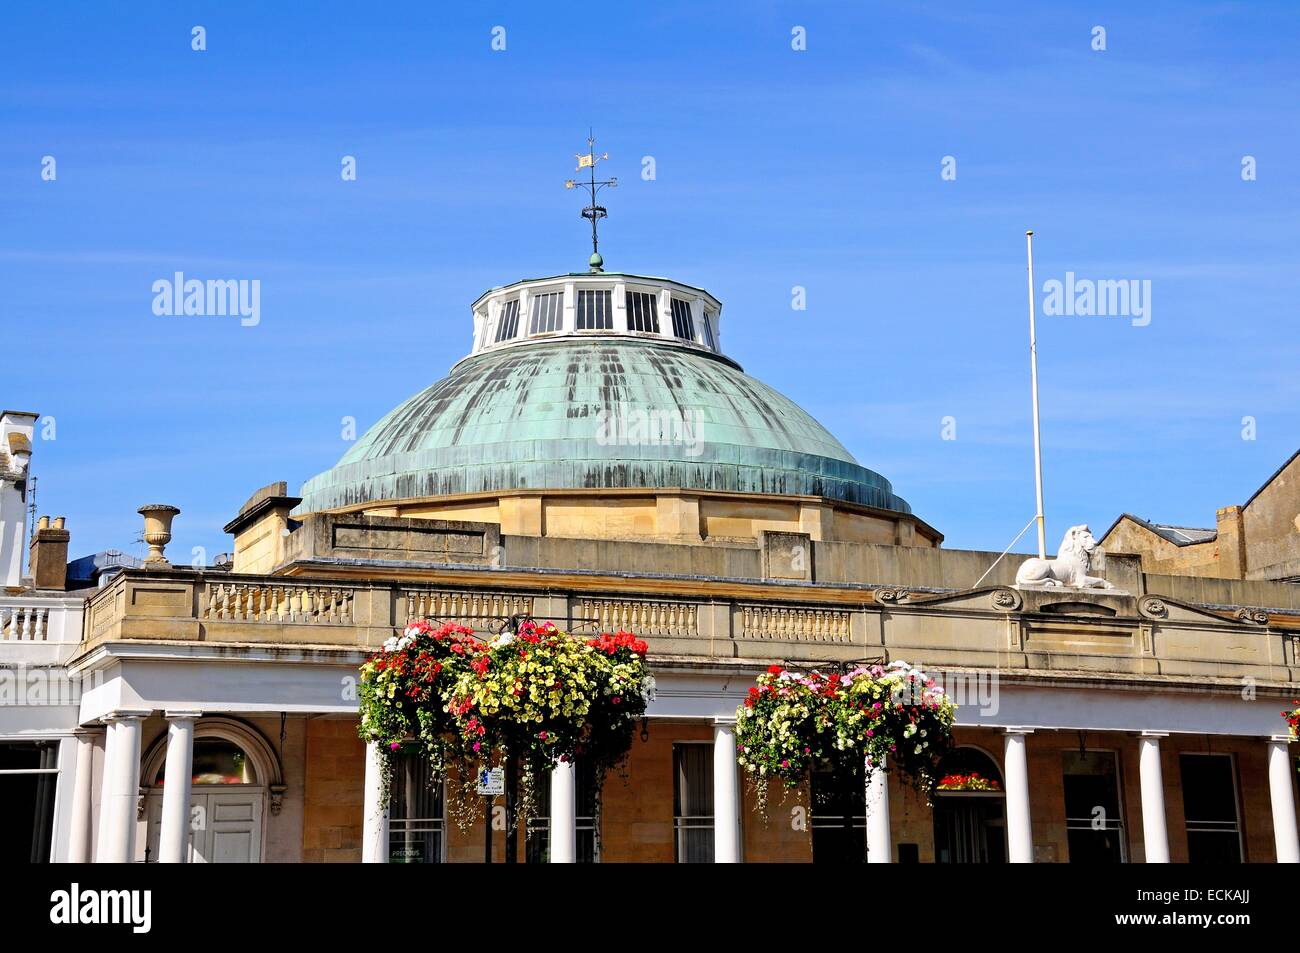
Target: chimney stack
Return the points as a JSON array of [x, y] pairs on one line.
[[16, 429], [49, 555]]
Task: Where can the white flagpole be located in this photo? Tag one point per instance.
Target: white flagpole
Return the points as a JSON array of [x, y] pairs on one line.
[[1033, 375]]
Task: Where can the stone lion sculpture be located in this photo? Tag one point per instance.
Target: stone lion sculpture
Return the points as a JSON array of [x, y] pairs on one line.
[[1069, 568]]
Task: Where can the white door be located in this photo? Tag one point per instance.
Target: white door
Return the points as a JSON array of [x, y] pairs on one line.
[[225, 825]]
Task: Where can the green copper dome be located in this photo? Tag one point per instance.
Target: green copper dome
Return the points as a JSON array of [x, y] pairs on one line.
[[581, 413]]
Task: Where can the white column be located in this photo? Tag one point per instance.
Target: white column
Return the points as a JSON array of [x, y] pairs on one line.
[[726, 794], [1281, 790], [1020, 831], [174, 837], [121, 788], [1155, 830], [880, 849], [374, 820], [79, 851], [564, 813]]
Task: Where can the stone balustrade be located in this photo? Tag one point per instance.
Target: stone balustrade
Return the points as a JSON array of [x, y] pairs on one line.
[[278, 603], [1088, 634]]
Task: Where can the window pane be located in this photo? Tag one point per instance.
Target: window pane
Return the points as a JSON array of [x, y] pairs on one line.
[[642, 313], [595, 312], [546, 313], [683, 323], [1208, 790], [415, 813], [693, 802], [29, 755], [27, 809], [1090, 783], [1210, 808], [508, 321], [1095, 825], [839, 815], [217, 761]]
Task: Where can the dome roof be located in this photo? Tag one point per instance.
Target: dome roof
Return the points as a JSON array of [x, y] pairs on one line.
[[610, 412]]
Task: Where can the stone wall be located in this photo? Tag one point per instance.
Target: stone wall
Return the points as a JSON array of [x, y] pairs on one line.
[[332, 809]]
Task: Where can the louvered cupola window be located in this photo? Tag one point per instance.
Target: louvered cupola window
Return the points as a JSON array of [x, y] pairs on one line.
[[642, 313], [595, 311], [683, 323], [508, 322]]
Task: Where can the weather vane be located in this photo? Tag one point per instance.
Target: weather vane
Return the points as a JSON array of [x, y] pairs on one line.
[[593, 212]]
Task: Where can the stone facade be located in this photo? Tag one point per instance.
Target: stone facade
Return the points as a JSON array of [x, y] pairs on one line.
[[1259, 539]]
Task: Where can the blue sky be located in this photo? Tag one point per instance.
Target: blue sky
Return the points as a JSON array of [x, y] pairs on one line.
[[775, 168]]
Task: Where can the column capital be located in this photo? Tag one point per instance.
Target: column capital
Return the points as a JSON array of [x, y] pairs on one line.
[[126, 714], [88, 732], [724, 721], [182, 715], [1280, 739], [1156, 735], [1017, 731]]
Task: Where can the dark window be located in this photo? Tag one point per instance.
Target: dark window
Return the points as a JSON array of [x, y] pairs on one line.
[[642, 312], [683, 324], [546, 314], [416, 824], [29, 777], [969, 820], [595, 313], [1094, 824], [538, 838], [508, 322], [709, 339], [1210, 807], [693, 803], [839, 815]]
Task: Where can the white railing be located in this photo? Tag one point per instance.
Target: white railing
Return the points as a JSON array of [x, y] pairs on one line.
[[40, 619]]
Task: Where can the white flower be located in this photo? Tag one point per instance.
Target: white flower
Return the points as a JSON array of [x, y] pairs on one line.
[[501, 641]]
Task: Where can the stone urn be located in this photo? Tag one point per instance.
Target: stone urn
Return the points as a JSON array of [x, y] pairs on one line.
[[157, 532]]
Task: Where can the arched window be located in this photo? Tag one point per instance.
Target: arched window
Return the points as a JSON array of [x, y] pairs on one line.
[[969, 769], [970, 824], [218, 761]]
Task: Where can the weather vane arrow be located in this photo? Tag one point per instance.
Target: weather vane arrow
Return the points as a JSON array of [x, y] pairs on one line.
[[593, 212]]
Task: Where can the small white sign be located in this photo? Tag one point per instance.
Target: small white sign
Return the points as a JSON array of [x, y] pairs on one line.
[[492, 782]]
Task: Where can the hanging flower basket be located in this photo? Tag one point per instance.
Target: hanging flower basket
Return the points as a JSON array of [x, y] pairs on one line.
[[1293, 718], [538, 696], [873, 715]]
